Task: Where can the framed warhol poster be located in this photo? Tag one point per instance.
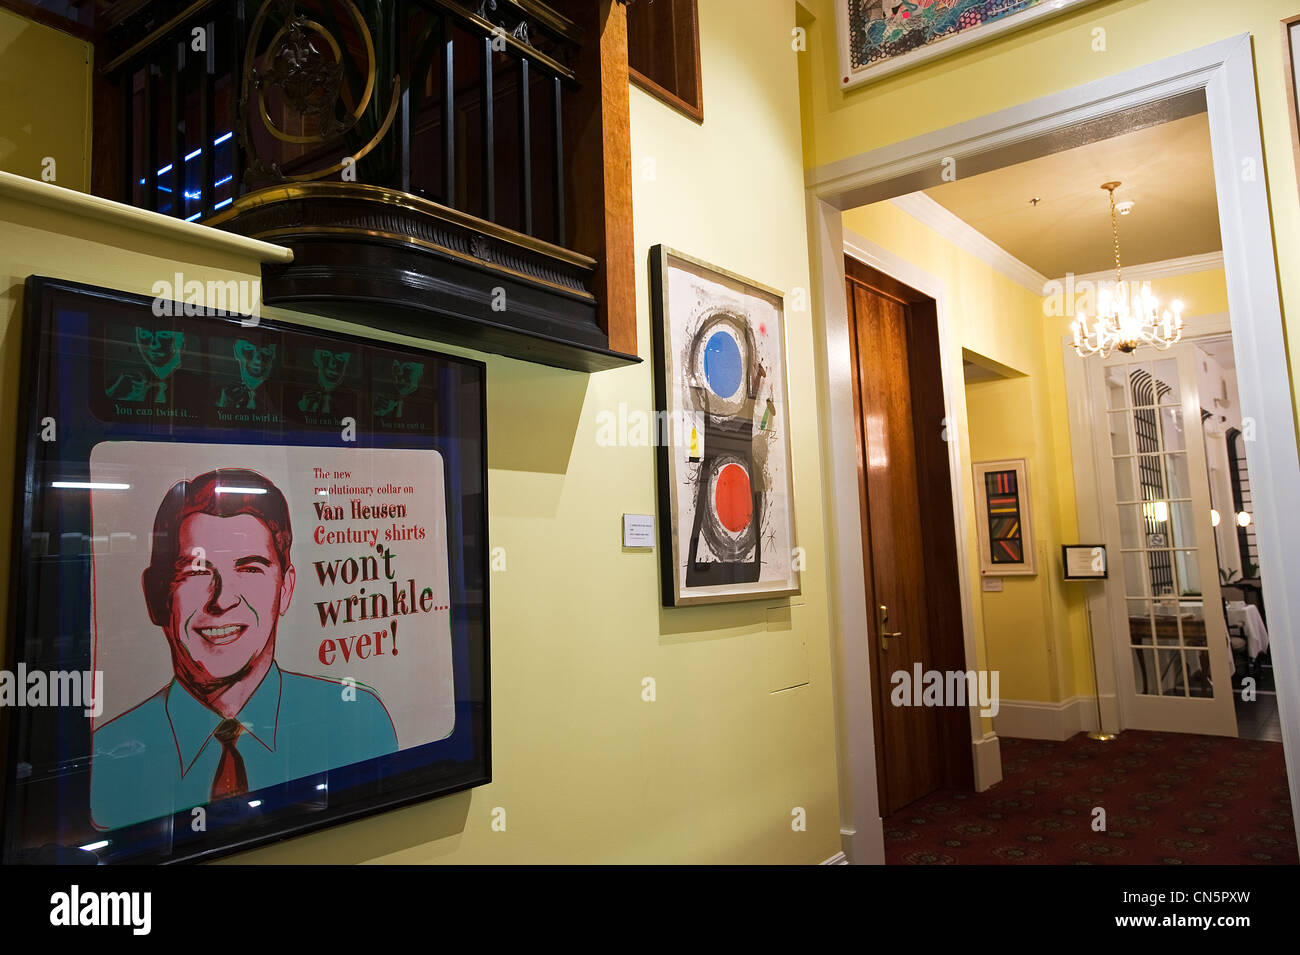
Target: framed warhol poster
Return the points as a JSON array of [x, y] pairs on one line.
[[880, 37], [1002, 518], [726, 486], [250, 586]]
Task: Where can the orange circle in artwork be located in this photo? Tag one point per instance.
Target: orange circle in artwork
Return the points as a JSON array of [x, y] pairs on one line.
[[733, 498]]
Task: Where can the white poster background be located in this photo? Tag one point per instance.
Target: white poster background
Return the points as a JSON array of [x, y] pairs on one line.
[[415, 686]]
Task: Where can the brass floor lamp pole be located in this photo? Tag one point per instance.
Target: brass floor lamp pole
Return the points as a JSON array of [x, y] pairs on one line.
[[1099, 733]]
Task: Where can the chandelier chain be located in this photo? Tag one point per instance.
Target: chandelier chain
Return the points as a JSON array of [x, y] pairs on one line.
[[1114, 231]]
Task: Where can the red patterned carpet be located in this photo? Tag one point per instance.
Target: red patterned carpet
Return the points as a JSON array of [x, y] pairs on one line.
[[1170, 799]]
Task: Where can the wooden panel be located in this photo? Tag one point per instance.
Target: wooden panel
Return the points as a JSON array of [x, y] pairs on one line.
[[878, 702], [664, 53], [938, 531], [108, 104], [892, 523], [599, 149]]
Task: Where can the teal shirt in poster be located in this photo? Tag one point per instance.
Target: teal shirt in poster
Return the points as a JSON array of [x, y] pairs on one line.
[[161, 757]]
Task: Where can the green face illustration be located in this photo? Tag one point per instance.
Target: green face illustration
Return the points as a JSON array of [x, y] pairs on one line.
[[254, 361], [407, 375], [331, 367], [161, 350]]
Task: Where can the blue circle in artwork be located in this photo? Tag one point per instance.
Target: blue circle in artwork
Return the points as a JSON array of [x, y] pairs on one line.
[[722, 364]]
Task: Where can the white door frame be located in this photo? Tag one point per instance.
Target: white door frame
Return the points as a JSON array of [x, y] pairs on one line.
[[1225, 72]]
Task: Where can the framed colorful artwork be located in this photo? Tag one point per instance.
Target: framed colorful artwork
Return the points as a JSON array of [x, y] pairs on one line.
[[250, 589], [726, 485], [880, 37], [1002, 518]]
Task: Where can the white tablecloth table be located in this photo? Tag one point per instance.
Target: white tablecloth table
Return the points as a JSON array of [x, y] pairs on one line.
[[1246, 616]]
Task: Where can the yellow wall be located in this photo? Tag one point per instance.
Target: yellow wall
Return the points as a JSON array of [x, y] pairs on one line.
[[44, 101], [742, 731], [1033, 627], [1033, 631]]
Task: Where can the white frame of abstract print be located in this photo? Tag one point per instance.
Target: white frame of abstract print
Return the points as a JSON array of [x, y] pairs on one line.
[[674, 593]]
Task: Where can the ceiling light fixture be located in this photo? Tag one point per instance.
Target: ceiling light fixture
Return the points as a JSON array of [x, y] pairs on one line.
[[1129, 317]]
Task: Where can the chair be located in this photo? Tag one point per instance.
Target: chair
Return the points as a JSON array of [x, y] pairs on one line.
[[1241, 662]]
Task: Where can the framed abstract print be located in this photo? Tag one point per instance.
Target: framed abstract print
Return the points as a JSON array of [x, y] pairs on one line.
[[251, 588], [1002, 518], [726, 486], [881, 37]]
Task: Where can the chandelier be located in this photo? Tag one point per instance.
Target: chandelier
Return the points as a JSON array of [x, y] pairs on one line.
[[1128, 318]]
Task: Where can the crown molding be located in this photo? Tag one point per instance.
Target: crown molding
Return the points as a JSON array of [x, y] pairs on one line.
[[1157, 270], [966, 237]]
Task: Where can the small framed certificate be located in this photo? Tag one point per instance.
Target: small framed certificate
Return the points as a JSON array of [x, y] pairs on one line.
[[1084, 561]]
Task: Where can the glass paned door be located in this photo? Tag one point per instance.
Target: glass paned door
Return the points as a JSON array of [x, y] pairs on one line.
[[1174, 663]]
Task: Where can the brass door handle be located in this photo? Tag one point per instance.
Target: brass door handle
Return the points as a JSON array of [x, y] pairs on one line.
[[882, 621]]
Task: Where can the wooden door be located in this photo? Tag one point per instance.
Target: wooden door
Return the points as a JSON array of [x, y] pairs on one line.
[[909, 738]]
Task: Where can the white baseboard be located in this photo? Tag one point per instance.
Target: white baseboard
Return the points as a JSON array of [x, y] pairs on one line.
[[1029, 719], [988, 761], [838, 859]]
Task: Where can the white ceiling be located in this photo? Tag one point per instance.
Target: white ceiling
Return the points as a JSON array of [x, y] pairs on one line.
[[1166, 170]]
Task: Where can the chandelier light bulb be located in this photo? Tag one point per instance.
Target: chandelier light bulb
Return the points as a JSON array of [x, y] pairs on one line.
[[1243, 518], [1129, 317], [1214, 518]]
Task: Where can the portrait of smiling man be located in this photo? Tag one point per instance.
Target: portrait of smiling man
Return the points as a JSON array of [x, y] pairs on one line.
[[219, 580]]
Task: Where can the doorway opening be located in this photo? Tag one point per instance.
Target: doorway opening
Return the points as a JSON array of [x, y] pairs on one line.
[[1221, 77]]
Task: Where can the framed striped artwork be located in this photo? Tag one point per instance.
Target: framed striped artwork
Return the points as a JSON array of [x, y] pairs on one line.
[[1002, 518]]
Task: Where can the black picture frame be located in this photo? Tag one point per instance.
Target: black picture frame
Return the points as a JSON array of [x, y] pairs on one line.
[[1090, 549], [50, 750]]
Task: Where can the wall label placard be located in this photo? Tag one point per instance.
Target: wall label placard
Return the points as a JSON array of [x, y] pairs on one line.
[[638, 530], [1084, 561]]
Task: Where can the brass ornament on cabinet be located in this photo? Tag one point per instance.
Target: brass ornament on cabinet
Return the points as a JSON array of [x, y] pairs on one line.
[[310, 84]]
